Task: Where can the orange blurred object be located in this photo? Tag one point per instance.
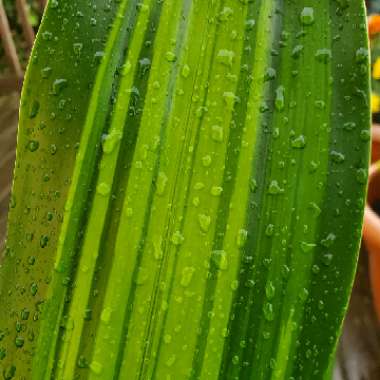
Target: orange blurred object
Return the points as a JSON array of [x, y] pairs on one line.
[[374, 25]]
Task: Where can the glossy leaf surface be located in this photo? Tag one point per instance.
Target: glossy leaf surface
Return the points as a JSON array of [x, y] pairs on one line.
[[189, 190]]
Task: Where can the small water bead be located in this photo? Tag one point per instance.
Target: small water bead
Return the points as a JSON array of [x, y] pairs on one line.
[[110, 141], [279, 101], [270, 290], [162, 181], [217, 133], [185, 71], [361, 176], [204, 222], [307, 16], [337, 157], [33, 145], [59, 85], [362, 55], [219, 258], [323, 55], [196, 201], [170, 56], [78, 47], [268, 311], [242, 237], [329, 240], [177, 238], [105, 315], [297, 51], [270, 74], [269, 230], [44, 240], [327, 259], [298, 142], [96, 367], [230, 99], [365, 135], [103, 189], [34, 109], [225, 14], [274, 188], [187, 275], [225, 57], [216, 191], [250, 24], [46, 72], [19, 341], [206, 161], [307, 247], [349, 126]]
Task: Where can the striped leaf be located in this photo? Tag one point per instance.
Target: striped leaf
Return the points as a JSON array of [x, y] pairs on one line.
[[188, 191]]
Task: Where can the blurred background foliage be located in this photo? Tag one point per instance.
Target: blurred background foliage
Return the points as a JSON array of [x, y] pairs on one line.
[[35, 8]]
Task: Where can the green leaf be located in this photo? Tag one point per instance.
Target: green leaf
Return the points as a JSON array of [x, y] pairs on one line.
[[188, 192]]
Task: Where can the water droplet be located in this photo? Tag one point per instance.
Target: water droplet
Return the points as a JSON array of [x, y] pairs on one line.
[[59, 85], [241, 237], [337, 157], [170, 56], [110, 141], [78, 47], [105, 316], [269, 230], [204, 222], [33, 289], [103, 189], [298, 142], [177, 238], [323, 55], [46, 72], [44, 241], [230, 99], [362, 55], [249, 24], [365, 135], [279, 101], [297, 51], [274, 188], [219, 258], [216, 191], [270, 290], [361, 176], [19, 341], [96, 367], [270, 74], [185, 71], [328, 240], [307, 16], [162, 181], [206, 160], [268, 311], [187, 275], [307, 247], [33, 145], [34, 109], [225, 57], [217, 133]]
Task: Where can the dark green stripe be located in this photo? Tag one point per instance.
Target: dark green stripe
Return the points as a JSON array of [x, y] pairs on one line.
[[335, 284], [246, 312], [82, 199]]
